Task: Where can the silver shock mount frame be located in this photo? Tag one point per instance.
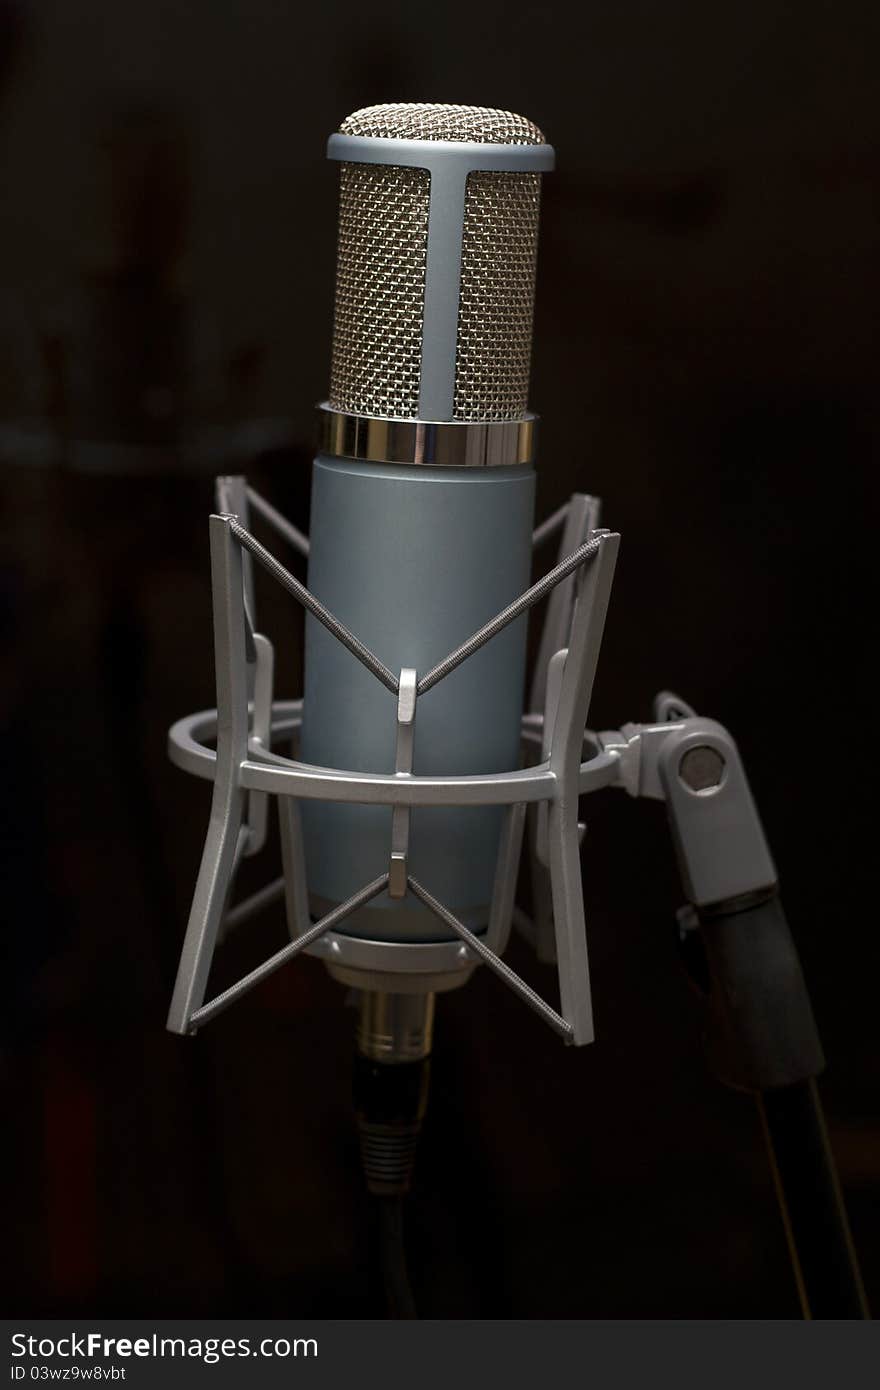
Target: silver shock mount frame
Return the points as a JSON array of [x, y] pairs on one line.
[[689, 762]]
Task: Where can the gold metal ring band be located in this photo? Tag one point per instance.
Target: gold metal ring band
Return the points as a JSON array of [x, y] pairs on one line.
[[433, 444]]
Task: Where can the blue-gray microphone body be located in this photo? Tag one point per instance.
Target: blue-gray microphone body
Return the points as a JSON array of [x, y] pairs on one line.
[[423, 493]]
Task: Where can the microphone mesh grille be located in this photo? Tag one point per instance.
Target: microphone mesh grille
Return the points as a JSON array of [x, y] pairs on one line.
[[381, 259], [497, 296], [434, 121], [380, 289]]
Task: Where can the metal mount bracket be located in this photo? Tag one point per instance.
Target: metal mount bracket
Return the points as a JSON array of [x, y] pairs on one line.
[[693, 764]]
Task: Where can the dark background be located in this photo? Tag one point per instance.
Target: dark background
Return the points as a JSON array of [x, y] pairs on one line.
[[705, 359]]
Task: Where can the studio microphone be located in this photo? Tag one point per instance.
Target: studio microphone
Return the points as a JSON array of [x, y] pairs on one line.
[[403, 798], [423, 501]]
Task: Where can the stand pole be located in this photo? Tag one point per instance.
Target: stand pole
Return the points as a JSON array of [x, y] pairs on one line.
[[761, 1034], [811, 1203]]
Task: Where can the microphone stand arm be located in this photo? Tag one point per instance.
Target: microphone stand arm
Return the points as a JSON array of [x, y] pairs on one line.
[[760, 1031]]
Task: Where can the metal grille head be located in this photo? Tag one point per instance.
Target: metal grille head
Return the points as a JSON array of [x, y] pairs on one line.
[[497, 296], [380, 289], [381, 262], [434, 121]]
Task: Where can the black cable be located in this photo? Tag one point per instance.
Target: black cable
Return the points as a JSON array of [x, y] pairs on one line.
[[389, 1101], [816, 1225], [392, 1257]]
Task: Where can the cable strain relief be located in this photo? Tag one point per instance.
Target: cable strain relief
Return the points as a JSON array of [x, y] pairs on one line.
[[388, 1154], [390, 1102]]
